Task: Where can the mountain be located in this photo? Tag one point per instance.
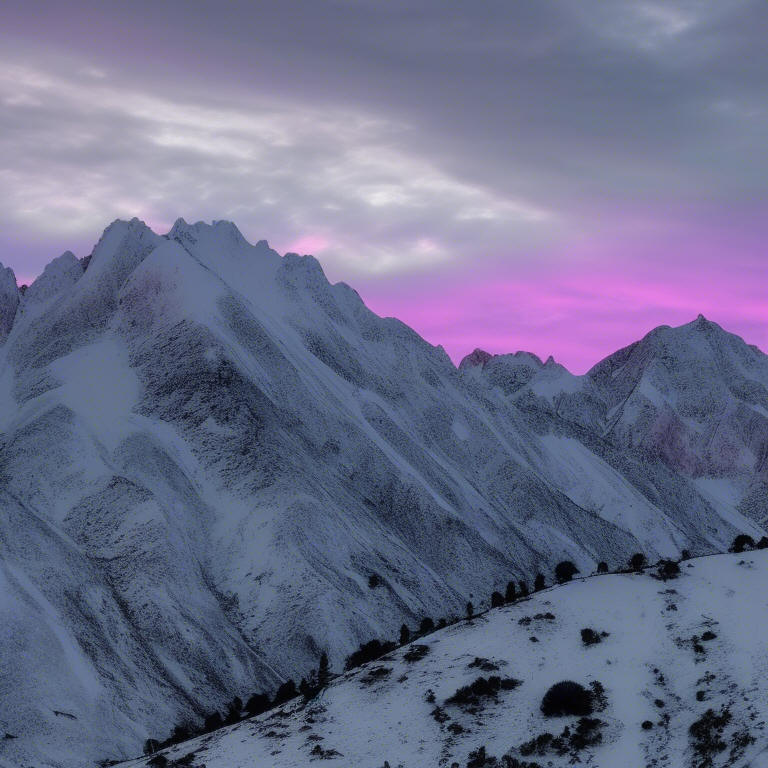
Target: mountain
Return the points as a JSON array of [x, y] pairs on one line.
[[208, 452], [681, 667]]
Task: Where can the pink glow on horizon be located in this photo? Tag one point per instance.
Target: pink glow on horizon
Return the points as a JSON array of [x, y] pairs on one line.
[[313, 244], [579, 315]]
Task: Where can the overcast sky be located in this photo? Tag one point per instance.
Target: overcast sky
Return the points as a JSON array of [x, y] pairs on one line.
[[552, 175]]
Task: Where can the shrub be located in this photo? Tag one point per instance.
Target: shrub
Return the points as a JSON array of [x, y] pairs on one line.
[[470, 609], [415, 653], [668, 569], [685, 554], [497, 600], [602, 567], [478, 759], [590, 636], [567, 698], [151, 746], [763, 543], [405, 634], [707, 734], [482, 688], [565, 571], [369, 651], [213, 722], [708, 635], [509, 594], [539, 583], [374, 580], [257, 704], [742, 542], [426, 626], [647, 725], [637, 562], [158, 761], [285, 692], [523, 589]]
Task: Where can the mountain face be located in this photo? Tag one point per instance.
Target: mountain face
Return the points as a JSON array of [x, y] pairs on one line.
[[207, 451], [681, 665]]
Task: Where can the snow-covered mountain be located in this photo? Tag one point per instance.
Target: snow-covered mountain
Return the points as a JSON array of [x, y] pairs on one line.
[[207, 451], [679, 668]]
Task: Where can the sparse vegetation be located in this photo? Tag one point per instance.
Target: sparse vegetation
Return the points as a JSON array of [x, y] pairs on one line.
[[707, 735], [415, 653], [742, 543], [482, 688], [591, 636]]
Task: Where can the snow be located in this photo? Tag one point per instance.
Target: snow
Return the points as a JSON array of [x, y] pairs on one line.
[[206, 450], [647, 655]]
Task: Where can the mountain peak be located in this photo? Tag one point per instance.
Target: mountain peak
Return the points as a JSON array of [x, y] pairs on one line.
[[479, 357]]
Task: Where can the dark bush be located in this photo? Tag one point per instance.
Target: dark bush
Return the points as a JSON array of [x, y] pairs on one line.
[[257, 704], [763, 543], [565, 571], [415, 653], [285, 692], [470, 609], [158, 761], [479, 759], [426, 626], [602, 567], [369, 651], [742, 542], [637, 562], [685, 555], [523, 589], [510, 593], [567, 698], [213, 722], [497, 600], [374, 580], [539, 583], [647, 725], [707, 734], [668, 569], [590, 636], [482, 688], [151, 746], [405, 634], [708, 635]]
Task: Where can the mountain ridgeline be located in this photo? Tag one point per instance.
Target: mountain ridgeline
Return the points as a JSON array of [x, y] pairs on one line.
[[215, 466]]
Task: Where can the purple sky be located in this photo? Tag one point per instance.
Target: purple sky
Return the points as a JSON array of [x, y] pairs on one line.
[[549, 176]]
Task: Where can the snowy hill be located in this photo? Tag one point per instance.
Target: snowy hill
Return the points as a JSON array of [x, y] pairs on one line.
[[666, 654], [208, 453]]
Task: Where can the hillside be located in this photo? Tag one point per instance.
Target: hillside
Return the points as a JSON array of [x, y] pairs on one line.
[[208, 453], [672, 651]]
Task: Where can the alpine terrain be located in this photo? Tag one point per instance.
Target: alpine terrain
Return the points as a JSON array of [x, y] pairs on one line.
[[215, 466]]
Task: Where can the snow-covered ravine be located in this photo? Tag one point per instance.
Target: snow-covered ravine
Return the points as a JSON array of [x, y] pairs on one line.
[[673, 651]]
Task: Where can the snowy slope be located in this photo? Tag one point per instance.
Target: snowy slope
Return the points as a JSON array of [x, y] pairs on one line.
[[656, 664], [206, 450]]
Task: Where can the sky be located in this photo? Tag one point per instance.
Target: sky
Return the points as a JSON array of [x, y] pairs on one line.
[[558, 176]]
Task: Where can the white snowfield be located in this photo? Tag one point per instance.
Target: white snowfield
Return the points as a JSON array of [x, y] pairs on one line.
[[657, 665], [207, 450]]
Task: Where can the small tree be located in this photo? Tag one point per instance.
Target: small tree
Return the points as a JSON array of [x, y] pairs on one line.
[[763, 543], [510, 595], [234, 712], [602, 567], [637, 562], [257, 704], [285, 692], [470, 609], [426, 626], [742, 542], [565, 571], [685, 555], [213, 722], [323, 671], [523, 589], [405, 634], [151, 746], [497, 600], [668, 569], [538, 582]]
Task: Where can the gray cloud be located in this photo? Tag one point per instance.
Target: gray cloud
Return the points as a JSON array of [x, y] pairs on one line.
[[392, 136]]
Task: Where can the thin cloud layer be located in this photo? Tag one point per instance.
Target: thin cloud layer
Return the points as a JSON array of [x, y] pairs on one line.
[[466, 167]]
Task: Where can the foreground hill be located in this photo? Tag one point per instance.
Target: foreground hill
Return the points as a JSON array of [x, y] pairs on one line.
[[215, 465], [670, 655]]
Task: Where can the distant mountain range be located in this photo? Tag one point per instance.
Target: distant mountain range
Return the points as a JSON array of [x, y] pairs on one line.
[[207, 451]]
